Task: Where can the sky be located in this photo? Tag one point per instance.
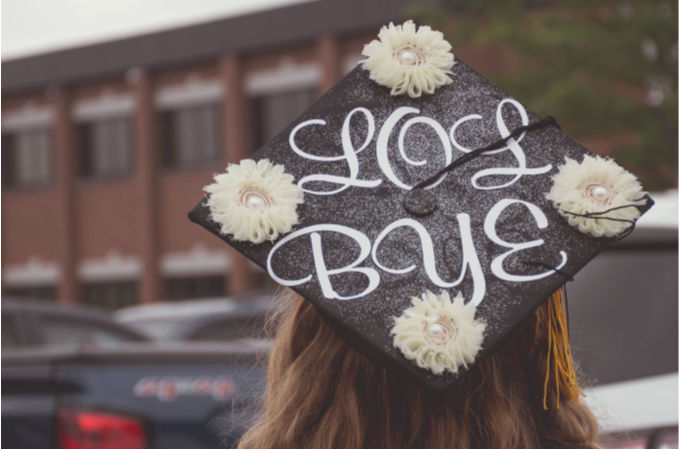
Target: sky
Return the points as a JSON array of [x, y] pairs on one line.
[[36, 26]]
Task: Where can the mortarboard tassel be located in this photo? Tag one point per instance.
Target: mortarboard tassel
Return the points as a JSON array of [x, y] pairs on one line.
[[558, 360]]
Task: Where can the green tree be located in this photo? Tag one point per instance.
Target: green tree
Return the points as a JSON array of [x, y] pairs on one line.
[[606, 69]]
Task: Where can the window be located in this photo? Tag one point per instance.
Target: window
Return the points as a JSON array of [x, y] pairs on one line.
[[272, 113], [109, 294], [39, 292], [11, 333], [262, 281], [195, 287], [190, 136], [26, 158], [105, 148]]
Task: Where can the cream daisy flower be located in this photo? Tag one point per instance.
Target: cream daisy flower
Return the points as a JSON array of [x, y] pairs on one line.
[[439, 334], [254, 201], [596, 195], [407, 60]]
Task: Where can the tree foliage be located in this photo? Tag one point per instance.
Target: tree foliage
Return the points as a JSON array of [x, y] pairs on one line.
[[606, 69]]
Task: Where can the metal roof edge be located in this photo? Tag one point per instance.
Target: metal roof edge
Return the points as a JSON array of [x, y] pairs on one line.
[[241, 34]]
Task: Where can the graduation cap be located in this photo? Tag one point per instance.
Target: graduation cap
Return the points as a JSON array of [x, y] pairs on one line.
[[422, 210]]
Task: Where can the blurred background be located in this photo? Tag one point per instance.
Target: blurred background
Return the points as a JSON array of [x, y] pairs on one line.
[[125, 325]]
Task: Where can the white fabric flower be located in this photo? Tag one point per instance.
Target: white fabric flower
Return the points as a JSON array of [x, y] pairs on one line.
[[595, 185], [409, 61], [254, 201], [439, 334]]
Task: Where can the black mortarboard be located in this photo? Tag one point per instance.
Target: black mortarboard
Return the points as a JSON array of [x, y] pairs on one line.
[[408, 190]]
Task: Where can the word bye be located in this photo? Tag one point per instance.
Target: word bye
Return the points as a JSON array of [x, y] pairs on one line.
[[469, 260]]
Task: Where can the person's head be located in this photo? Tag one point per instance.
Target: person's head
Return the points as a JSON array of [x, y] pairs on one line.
[[321, 392]]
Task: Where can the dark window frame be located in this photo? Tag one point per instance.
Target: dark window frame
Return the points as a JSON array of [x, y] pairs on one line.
[[33, 292], [84, 148], [168, 138], [9, 150], [88, 289], [262, 281], [176, 288], [258, 103]]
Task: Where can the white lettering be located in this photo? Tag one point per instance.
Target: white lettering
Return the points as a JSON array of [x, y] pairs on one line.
[[470, 259], [490, 230], [515, 149], [349, 155], [323, 273]]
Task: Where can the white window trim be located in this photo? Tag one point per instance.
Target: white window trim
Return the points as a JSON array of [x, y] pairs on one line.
[[105, 106], [287, 76], [351, 62], [112, 267], [199, 261], [194, 91], [34, 272], [27, 118]]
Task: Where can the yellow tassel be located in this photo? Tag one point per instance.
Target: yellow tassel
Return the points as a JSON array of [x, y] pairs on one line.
[[558, 359]]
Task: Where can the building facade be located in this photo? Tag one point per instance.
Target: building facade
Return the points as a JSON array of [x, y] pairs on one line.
[[105, 148]]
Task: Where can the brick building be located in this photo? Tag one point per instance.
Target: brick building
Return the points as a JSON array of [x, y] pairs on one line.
[[106, 147]]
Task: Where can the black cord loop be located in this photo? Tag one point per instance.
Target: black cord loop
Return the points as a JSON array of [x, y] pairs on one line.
[[547, 121], [600, 215]]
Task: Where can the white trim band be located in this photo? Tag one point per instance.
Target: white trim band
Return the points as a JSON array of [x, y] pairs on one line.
[[105, 106], [650, 402], [33, 272], [27, 117], [112, 267], [194, 91], [287, 76], [198, 261]]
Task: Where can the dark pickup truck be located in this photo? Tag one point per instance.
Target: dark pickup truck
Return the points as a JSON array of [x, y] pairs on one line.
[[73, 378], [134, 396]]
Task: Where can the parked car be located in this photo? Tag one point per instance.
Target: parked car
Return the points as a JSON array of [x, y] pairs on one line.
[[134, 396], [218, 319], [73, 378]]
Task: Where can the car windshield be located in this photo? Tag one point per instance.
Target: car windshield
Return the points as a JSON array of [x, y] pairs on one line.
[[202, 328], [73, 333], [43, 326], [229, 329], [160, 328]]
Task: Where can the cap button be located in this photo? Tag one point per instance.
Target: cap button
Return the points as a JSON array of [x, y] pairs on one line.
[[420, 202]]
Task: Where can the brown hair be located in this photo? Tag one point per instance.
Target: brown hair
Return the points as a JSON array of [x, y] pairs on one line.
[[322, 393]]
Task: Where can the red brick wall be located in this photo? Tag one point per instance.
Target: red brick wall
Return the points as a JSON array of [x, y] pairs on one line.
[[106, 213], [107, 218], [29, 227], [179, 192]]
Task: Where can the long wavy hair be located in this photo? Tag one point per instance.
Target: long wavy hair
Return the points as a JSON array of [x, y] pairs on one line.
[[321, 392]]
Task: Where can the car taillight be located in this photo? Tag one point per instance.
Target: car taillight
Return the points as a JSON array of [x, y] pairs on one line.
[[93, 429]]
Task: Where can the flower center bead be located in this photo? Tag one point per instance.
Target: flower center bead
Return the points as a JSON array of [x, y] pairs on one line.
[[598, 193], [440, 332], [254, 199], [409, 56]]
